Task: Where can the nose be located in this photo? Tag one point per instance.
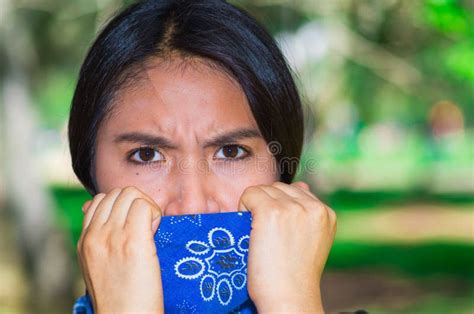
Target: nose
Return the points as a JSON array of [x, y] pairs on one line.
[[193, 193]]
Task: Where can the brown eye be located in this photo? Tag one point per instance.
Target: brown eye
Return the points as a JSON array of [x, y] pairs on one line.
[[147, 154], [231, 152]]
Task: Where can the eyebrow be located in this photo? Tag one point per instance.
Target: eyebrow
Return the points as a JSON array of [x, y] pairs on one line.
[[157, 140]]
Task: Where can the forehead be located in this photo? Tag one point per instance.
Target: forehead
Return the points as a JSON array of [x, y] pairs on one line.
[[179, 93]]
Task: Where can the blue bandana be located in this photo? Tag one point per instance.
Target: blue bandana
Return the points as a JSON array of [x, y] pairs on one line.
[[203, 261]]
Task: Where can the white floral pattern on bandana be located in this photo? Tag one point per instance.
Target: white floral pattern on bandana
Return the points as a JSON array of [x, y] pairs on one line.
[[194, 219], [220, 263]]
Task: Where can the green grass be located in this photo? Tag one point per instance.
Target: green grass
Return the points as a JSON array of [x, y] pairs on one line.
[[433, 305], [416, 260], [345, 200]]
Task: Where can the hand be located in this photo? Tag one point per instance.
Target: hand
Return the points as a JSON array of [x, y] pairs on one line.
[[292, 234], [117, 253]]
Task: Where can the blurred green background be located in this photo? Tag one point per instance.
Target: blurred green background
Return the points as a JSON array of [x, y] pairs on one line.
[[389, 91]]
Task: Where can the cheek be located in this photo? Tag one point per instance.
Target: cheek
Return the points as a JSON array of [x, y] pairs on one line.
[[231, 191], [149, 183], [230, 182], [259, 169], [112, 171]]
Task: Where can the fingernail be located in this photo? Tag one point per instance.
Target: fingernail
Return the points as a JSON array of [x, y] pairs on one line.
[[302, 185], [85, 206]]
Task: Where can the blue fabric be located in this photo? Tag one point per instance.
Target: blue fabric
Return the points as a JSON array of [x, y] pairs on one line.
[[203, 260]]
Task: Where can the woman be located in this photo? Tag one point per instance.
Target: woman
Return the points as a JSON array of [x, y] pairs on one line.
[[188, 107]]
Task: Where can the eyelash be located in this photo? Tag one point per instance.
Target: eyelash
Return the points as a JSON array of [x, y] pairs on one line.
[[144, 163], [247, 153]]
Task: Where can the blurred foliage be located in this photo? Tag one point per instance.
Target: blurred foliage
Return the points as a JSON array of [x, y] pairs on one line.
[[374, 106], [435, 36]]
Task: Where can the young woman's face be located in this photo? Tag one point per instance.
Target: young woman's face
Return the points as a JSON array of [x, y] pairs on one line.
[[185, 136]]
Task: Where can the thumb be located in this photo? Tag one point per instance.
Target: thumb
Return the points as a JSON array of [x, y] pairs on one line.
[[155, 224], [157, 213]]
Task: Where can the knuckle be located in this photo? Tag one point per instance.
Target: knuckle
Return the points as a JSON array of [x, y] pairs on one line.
[[115, 190], [99, 196], [276, 206], [114, 242], [289, 205], [270, 203], [91, 246], [278, 183], [273, 213], [296, 207], [130, 247], [87, 243], [140, 203], [319, 213], [250, 190], [131, 190]]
